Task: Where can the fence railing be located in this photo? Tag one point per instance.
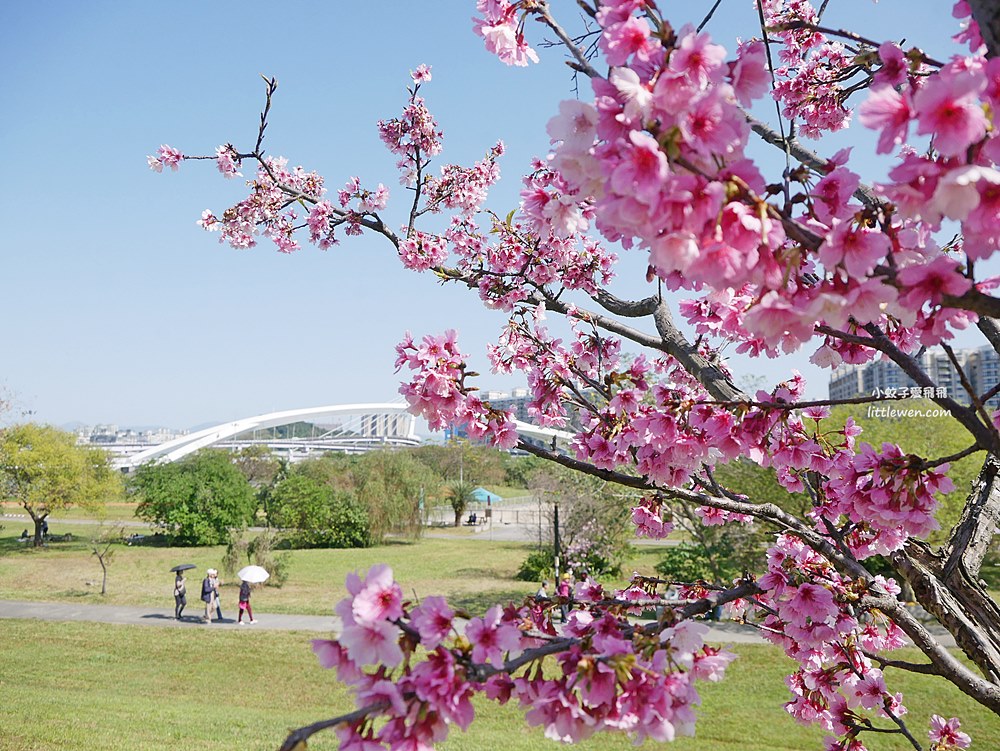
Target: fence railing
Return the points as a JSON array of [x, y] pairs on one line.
[[522, 511]]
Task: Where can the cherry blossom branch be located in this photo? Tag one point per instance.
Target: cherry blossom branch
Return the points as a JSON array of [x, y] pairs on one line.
[[708, 16], [769, 512], [973, 396], [973, 449], [878, 341], [541, 10], [671, 341], [972, 537], [984, 692], [975, 301], [806, 26], [707, 604], [297, 739], [990, 328], [271, 86], [924, 668], [807, 157], [987, 16]]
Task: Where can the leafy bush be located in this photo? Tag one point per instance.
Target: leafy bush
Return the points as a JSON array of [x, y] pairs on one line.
[[318, 516], [243, 549], [261, 550], [195, 501], [538, 566], [685, 563]]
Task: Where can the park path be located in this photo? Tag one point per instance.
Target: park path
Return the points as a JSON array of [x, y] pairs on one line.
[[136, 616], [719, 633], [724, 632]]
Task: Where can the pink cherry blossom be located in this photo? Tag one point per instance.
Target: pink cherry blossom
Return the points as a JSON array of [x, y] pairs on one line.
[[490, 637], [930, 281], [380, 599], [227, 162], [947, 107], [370, 644], [422, 74], [945, 734], [434, 620], [166, 156]]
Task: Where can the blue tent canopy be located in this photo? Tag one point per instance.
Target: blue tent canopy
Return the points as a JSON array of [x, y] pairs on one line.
[[484, 496]]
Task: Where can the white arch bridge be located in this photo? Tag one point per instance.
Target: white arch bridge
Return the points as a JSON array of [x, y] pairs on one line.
[[359, 428]]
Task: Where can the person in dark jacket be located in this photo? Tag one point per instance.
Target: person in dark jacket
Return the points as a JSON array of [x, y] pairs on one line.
[[245, 603], [208, 594]]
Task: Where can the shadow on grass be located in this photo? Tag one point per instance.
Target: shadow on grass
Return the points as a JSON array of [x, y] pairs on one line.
[[484, 572], [477, 603], [68, 541]]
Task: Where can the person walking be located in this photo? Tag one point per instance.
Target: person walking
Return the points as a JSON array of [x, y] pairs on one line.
[[180, 595], [565, 591], [218, 595], [245, 603], [208, 595]]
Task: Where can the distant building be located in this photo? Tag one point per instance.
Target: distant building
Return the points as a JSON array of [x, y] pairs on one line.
[[980, 366], [516, 402]]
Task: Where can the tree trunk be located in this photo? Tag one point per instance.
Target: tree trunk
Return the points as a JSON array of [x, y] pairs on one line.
[[38, 520], [946, 582], [987, 15]]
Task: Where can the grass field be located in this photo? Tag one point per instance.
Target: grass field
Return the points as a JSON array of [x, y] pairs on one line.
[[83, 687], [96, 686], [472, 573]]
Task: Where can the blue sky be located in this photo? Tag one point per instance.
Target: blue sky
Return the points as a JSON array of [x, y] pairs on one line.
[[121, 310]]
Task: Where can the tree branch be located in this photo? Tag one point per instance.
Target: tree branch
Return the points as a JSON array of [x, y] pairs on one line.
[[987, 15], [983, 691]]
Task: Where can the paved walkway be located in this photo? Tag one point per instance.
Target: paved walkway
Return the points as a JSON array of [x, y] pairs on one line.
[[63, 611], [724, 633]]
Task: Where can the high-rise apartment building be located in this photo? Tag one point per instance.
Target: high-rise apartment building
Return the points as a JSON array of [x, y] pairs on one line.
[[981, 368]]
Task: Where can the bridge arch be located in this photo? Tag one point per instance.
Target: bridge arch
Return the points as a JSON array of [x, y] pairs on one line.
[[389, 421]]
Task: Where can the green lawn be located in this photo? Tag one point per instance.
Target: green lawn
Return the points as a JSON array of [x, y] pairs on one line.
[[82, 687], [96, 686], [472, 573]]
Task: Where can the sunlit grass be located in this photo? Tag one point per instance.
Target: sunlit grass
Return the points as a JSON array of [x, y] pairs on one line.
[[83, 687], [472, 573]]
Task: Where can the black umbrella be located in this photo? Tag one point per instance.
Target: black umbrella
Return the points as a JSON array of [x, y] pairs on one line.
[[183, 567]]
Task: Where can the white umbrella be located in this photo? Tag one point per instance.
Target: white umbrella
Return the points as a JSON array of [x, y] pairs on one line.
[[253, 574]]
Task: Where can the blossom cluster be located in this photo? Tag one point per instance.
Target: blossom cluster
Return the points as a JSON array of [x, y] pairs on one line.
[[415, 668], [656, 161]]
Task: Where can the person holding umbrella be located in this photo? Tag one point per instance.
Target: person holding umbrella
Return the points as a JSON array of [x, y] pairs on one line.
[[245, 603], [248, 575], [180, 589], [180, 595]]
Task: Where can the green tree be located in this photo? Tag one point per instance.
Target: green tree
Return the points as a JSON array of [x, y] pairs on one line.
[[761, 484], [263, 471], [518, 470], [594, 526], [391, 486], [195, 501], [460, 496], [44, 470], [318, 515], [459, 459], [717, 554]]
